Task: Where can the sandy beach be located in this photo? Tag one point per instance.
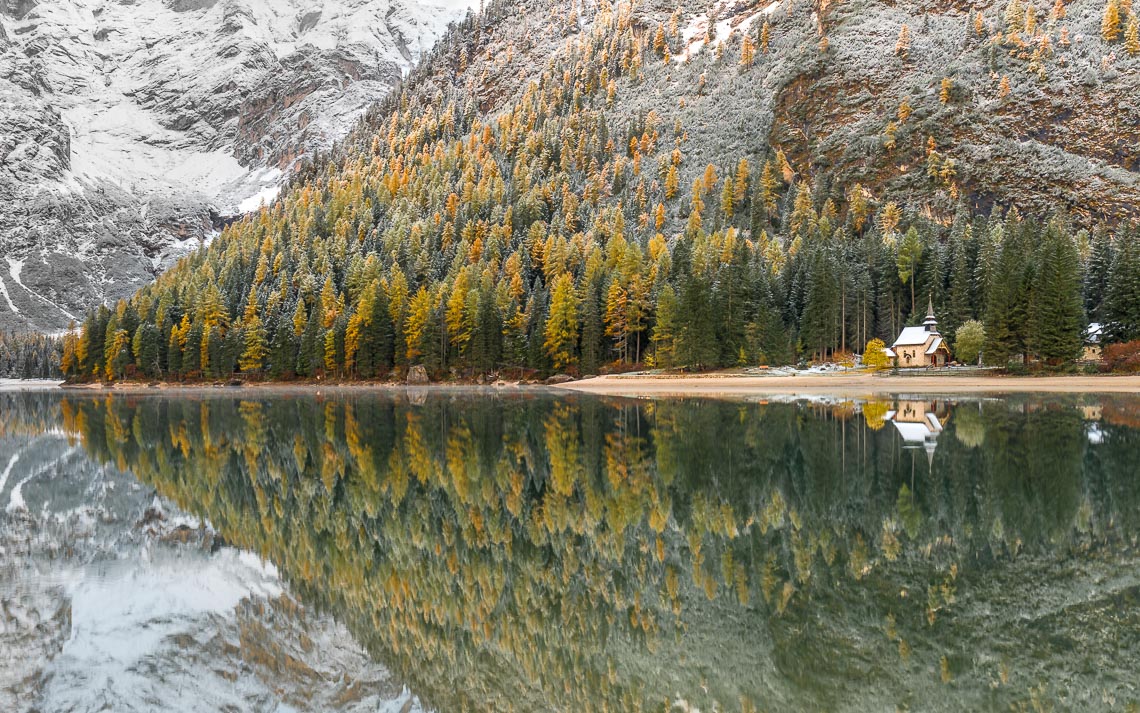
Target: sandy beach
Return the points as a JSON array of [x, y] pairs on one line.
[[731, 384], [848, 384]]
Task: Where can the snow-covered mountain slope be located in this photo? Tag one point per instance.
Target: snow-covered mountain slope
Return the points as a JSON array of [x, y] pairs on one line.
[[129, 130]]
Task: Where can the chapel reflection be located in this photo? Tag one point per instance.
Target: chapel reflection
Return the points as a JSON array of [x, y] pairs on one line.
[[920, 423]]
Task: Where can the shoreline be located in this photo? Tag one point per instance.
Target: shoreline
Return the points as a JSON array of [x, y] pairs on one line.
[[716, 384], [848, 384]]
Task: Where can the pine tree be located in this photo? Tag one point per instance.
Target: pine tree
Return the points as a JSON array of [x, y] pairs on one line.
[[145, 346], [1122, 297], [417, 329], [889, 218], [593, 327], [379, 339], [459, 321], [695, 342], [212, 312], [561, 332], [946, 92], [803, 211], [768, 185], [1110, 24], [909, 258], [1014, 16], [672, 182], [664, 332], [960, 298], [740, 183], [1132, 37], [69, 361], [904, 111], [727, 199], [1057, 315], [617, 325], [255, 339], [902, 45], [819, 323], [1008, 301], [1097, 273], [1004, 88], [747, 51]]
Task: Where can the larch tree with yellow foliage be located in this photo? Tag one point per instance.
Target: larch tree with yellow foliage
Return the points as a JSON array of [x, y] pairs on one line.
[[902, 44], [254, 338], [747, 51], [1110, 24], [672, 182], [1132, 37], [560, 336]]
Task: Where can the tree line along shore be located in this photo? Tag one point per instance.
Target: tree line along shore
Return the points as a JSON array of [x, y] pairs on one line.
[[556, 237]]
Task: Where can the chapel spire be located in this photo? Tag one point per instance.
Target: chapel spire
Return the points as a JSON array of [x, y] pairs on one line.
[[931, 323]]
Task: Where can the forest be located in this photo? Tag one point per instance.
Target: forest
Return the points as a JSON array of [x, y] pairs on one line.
[[556, 236], [29, 356]]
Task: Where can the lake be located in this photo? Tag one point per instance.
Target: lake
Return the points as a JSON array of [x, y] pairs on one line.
[[465, 549]]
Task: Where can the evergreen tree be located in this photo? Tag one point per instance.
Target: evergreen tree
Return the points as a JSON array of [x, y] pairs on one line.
[[561, 333], [1096, 274], [1008, 301], [255, 346], [909, 258], [958, 309], [1057, 315], [819, 326], [1110, 23], [665, 330], [1122, 297], [145, 346], [593, 329]]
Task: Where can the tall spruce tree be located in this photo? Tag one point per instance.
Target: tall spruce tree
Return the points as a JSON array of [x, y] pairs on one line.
[[1122, 297], [1057, 315], [1008, 300]]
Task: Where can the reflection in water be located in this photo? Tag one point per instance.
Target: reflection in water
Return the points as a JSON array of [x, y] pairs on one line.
[[920, 423], [574, 553]]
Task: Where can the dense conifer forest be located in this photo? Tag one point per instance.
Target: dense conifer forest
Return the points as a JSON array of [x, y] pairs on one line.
[[29, 356], [556, 234]]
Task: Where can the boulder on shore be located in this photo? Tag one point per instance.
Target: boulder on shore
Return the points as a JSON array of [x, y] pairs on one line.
[[418, 375]]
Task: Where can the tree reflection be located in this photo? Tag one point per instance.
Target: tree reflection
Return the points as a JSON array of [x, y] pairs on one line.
[[538, 553]]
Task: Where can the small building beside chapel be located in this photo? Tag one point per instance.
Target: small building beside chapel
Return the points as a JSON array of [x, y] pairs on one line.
[[919, 347]]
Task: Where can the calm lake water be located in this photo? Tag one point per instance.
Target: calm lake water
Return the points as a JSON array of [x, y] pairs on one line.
[[475, 550]]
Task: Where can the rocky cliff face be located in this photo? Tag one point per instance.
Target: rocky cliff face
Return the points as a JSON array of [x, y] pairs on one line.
[[129, 131]]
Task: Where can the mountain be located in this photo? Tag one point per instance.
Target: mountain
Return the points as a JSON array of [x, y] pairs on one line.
[[565, 187], [131, 131]]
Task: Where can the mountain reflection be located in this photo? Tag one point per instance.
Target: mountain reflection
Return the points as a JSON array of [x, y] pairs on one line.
[[572, 553]]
